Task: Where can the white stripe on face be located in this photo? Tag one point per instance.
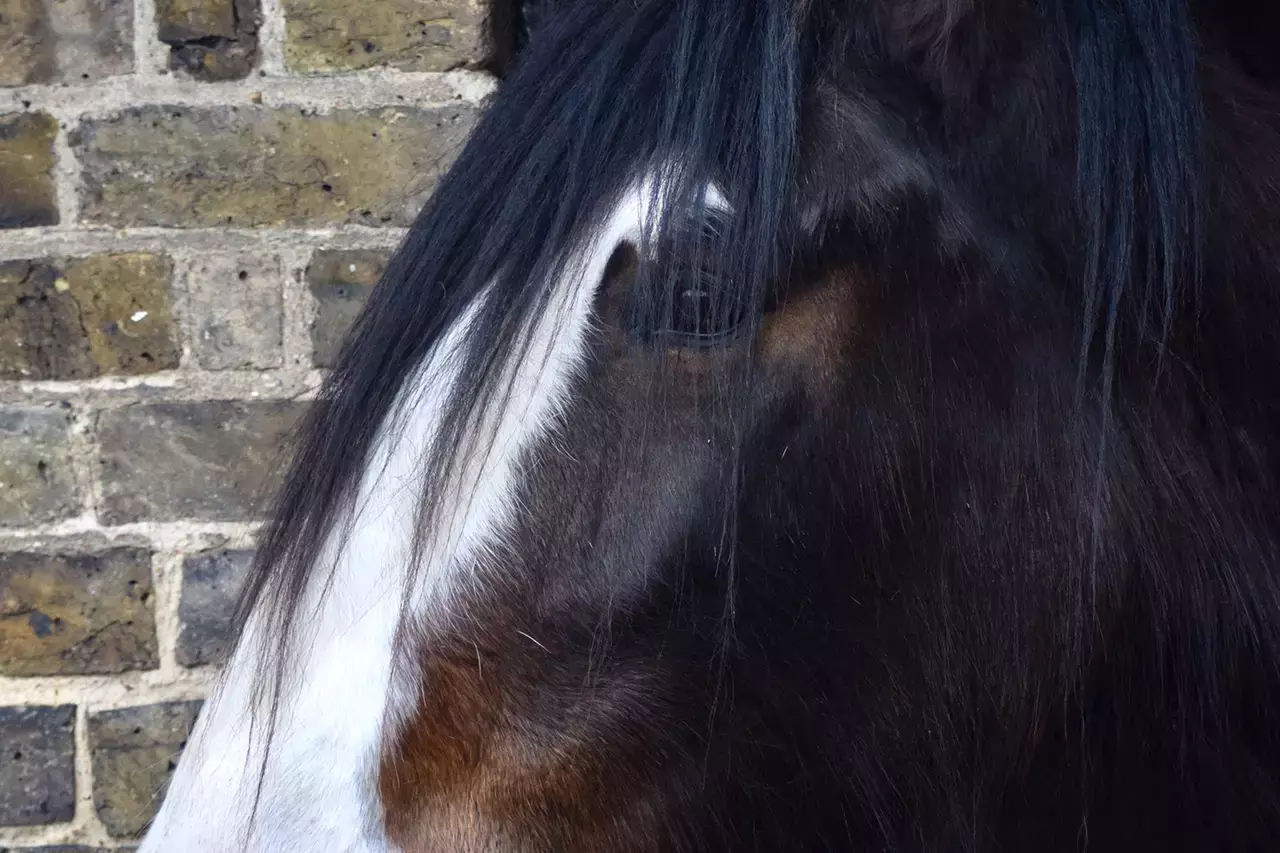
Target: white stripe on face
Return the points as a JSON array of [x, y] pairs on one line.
[[320, 790]]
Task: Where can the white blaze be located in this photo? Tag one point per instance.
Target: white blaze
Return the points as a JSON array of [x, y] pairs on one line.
[[319, 793]]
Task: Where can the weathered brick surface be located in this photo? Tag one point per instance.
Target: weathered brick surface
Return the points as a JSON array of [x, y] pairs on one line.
[[207, 461], [26, 54], [210, 39], [65, 614], [44, 41], [210, 584], [421, 35], [65, 848], [236, 312], [82, 317], [134, 752], [192, 20], [37, 478], [26, 169], [37, 770], [252, 166], [340, 282]]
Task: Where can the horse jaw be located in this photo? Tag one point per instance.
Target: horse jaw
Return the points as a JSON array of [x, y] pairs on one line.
[[347, 694]]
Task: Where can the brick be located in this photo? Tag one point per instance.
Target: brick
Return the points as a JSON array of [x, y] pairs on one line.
[[83, 317], [256, 166], [210, 39], [191, 20], [37, 770], [340, 282], [134, 752], [37, 477], [210, 584], [411, 35], [93, 38], [64, 41], [76, 614], [26, 43], [210, 461], [236, 312], [66, 848], [26, 169]]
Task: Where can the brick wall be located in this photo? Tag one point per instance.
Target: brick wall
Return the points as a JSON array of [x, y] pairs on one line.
[[195, 196]]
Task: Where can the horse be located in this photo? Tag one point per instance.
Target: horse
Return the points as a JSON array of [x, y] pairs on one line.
[[794, 425]]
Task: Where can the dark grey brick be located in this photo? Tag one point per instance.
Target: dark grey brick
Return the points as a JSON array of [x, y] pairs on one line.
[[37, 765], [134, 752], [37, 482], [235, 306], [340, 282], [213, 461], [210, 583], [210, 39]]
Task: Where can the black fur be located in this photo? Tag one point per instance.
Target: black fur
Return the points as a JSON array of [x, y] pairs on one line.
[[1003, 578]]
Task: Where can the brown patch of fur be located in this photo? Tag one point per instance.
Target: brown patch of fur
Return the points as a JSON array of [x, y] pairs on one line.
[[513, 749], [810, 330]]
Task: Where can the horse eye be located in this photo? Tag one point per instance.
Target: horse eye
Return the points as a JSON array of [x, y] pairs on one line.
[[685, 301], [691, 314], [703, 314]]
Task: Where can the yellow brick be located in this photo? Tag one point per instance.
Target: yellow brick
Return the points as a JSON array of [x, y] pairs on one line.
[[255, 166], [341, 35]]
